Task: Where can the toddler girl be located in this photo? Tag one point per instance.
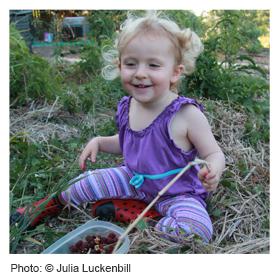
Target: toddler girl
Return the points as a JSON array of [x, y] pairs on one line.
[[158, 131]]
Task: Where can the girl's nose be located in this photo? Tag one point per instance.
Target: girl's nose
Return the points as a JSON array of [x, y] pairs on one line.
[[140, 72]]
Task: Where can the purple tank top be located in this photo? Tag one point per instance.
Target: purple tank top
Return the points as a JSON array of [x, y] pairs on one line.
[[152, 151]]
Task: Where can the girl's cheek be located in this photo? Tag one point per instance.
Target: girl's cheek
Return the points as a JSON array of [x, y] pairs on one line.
[[125, 74]]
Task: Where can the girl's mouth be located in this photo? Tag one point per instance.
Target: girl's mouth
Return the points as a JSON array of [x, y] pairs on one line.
[[142, 86]]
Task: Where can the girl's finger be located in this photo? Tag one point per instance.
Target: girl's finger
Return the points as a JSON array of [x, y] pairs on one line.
[[82, 165], [205, 185], [82, 160], [203, 173], [212, 181], [210, 176], [210, 186], [93, 158]]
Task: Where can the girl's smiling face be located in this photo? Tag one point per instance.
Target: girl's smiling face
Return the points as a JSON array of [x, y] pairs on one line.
[[148, 68]]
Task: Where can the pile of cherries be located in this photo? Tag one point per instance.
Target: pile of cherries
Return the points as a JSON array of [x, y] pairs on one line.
[[95, 244]]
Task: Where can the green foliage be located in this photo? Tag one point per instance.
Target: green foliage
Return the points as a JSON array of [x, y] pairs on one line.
[[31, 77], [92, 96], [38, 169], [223, 73], [186, 19], [103, 24], [90, 63], [77, 98], [207, 80], [231, 31], [142, 225]]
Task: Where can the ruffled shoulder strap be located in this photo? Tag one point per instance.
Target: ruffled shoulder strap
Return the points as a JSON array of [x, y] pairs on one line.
[[122, 111], [182, 100], [175, 106]]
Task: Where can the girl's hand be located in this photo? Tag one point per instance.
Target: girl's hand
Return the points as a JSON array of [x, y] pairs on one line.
[[89, 152], [209, 178]]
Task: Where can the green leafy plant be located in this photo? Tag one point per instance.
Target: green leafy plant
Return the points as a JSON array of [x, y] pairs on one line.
[[225, 72], [31, 77]]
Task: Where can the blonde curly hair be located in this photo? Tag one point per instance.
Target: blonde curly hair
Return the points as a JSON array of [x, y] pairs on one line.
[[187, 45]]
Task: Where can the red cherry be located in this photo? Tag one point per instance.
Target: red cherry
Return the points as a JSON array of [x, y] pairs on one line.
[[112, 235], [79, 244], [73, 249]]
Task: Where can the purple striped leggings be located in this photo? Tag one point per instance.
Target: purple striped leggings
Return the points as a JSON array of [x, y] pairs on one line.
[[182, 215]]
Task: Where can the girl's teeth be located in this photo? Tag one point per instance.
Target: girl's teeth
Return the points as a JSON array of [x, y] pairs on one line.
[[141, 86]]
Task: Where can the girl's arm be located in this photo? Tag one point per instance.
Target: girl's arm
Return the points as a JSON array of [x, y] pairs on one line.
[[200, 135], [107, 144]]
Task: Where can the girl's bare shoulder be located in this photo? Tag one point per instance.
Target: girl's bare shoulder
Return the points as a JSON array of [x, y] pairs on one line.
[[189, 115]]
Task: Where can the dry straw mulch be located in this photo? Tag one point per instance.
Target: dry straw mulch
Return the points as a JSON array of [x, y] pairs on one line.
[[239, 209], [33, 123]]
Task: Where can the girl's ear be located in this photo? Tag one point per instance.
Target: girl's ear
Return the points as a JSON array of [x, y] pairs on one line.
[[178, 70]]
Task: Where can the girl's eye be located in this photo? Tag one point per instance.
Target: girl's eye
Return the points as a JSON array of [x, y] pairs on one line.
[[153, 65], [130, 64]]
